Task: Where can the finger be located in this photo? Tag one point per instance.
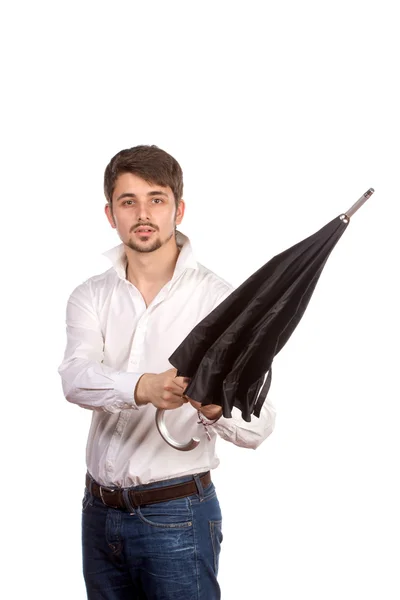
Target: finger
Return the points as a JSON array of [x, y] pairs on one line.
[[180, 382], [196, 405], [176, 392], [174, 385], [172, 404]]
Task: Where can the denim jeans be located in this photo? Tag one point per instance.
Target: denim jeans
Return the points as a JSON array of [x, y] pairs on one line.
[[163, 551]]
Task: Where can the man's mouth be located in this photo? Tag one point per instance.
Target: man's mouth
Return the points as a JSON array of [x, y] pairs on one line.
[[144, 230]]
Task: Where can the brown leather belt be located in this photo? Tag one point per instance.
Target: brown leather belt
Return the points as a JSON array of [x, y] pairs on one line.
[[114, 497]]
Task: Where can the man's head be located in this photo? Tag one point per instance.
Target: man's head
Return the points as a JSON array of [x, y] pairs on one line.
[[143, 186]]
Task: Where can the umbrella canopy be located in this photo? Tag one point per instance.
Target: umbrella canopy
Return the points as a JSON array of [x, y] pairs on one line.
[[227, 355]]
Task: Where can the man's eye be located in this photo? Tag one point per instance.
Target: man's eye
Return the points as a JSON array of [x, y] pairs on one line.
[[158, 200], [126, 201]]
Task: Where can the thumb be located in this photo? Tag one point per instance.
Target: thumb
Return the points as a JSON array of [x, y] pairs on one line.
[[196, 405]]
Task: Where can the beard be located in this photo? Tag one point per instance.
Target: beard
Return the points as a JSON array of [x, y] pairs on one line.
[[150, 246]]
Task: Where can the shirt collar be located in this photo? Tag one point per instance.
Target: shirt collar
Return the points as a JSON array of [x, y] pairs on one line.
[[186, 258]]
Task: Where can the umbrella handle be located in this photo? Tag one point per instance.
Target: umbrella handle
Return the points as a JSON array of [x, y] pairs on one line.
[[163, 431]]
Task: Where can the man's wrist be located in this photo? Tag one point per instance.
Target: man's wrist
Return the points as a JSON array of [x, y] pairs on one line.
[[211, 414], [140, 391]]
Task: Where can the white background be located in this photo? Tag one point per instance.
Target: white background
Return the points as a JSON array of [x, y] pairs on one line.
[[281, 115]]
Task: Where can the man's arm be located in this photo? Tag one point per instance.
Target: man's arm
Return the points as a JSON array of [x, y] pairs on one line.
[[235, 429], [86, 381], [247, 435]]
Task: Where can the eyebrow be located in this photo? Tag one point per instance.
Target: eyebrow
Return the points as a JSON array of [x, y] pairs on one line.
[[131, 195]]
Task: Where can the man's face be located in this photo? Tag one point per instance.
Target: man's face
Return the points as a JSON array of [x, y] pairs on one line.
[[144, 214]]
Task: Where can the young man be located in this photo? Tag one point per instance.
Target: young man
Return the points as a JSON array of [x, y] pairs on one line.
[[151, 524]]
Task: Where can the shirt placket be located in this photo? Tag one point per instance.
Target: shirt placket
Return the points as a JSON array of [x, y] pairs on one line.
[[133, 366]]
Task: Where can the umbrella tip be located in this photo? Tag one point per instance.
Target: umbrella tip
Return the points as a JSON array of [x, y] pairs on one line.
[[346, 216]]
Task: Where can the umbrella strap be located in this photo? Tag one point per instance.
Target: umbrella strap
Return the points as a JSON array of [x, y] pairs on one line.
[[205, 423], [263, 394]]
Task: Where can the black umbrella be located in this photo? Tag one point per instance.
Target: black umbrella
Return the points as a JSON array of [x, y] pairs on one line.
[[227, 355]]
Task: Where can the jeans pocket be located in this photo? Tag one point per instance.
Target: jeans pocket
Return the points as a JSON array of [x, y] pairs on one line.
[[171, 514], [216, 540], [209, 494]]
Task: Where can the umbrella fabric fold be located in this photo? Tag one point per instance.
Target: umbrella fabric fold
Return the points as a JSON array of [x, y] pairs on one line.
[[228, 354]]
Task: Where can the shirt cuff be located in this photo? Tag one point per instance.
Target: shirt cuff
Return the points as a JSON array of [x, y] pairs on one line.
[[125, 385], [225, 423]]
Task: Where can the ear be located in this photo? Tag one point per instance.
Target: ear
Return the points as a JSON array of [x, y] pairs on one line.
[[110, 216], [180, 211]]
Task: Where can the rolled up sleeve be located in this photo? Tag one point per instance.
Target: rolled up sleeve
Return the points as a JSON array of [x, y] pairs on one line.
[[86, 380], [247, 435]]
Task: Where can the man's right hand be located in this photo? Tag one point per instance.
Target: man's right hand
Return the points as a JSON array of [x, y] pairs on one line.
[[163, 390]]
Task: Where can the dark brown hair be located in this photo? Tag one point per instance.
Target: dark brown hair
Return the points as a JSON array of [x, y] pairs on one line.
[[148, 162]]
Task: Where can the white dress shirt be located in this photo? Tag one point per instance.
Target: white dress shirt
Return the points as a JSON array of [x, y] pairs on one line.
[[112, 339]]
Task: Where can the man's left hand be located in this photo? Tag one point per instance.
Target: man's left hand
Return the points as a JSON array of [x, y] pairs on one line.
[[211, 412]]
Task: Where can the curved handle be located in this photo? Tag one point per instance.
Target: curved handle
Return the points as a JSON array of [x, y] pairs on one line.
[[163, 431]]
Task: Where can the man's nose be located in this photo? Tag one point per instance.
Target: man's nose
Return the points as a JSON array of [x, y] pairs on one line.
[[143, 212]]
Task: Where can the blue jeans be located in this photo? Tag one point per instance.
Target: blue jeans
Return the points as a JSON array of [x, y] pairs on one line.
[[163, 551]]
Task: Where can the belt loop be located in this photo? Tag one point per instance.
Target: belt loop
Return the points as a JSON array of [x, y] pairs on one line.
[[199, 486], [127, 500], [89, 487], [90, 490]]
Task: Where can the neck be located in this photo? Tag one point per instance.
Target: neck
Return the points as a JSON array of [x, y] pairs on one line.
[[152, 268]]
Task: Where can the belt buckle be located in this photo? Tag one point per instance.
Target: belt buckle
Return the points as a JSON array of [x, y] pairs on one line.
[[110, 491]]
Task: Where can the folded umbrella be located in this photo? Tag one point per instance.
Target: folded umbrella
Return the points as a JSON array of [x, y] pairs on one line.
[[227, 355]]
